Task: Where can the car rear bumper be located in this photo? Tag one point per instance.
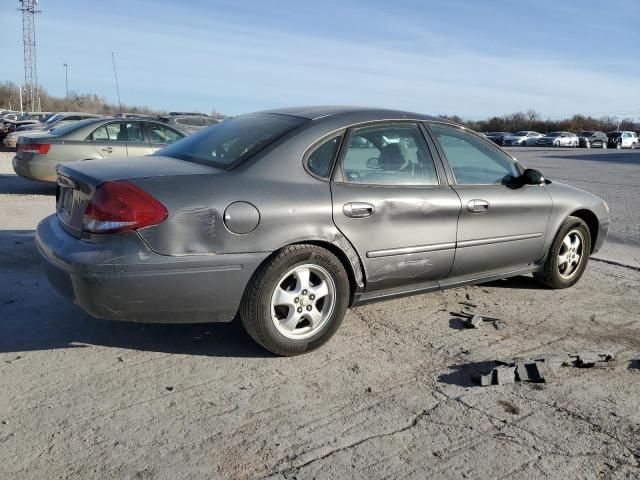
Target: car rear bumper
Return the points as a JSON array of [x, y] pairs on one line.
[[36, 168], [120, 278]]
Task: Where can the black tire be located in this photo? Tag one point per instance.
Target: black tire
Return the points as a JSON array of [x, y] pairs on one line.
[[255, 308], [550, 275]]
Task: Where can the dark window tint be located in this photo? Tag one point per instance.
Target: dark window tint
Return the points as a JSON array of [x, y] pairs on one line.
[[395, 154], [474, 161], [232, 141], [134, 132], [321, 159]]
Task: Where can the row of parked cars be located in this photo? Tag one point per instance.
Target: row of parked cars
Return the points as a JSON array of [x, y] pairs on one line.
[[585, 139], [14, 125]]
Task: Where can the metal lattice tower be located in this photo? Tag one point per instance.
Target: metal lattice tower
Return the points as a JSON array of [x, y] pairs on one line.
[[28, 9]]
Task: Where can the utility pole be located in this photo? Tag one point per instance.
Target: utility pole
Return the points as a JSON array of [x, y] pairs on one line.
[[66, 78], [28, 9]]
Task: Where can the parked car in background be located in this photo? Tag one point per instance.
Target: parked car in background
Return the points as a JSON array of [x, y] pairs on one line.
[[57, 120], [622, 139], [188, 122], [39, 153], [497, 137], [588, 139], [276, 218], [558, 139], [521, 138]]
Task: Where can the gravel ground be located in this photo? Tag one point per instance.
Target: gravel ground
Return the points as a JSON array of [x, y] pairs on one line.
[[388, 397]]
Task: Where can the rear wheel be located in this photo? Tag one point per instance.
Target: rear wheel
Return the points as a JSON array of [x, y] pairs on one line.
[[568, 255], [296, 301]]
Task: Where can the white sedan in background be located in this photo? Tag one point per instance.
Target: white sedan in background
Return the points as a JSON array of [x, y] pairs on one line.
[[558, 139], [522, 138]]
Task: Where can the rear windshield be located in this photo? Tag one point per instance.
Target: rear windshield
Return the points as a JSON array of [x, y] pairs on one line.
[[70, 127], [614, 134], [232, 141]]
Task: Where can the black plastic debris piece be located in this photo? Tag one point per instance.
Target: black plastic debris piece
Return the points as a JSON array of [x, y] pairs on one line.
[[592, 359]]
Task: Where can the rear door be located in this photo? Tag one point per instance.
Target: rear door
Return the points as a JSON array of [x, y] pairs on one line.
[[502, 225], [391, 200]]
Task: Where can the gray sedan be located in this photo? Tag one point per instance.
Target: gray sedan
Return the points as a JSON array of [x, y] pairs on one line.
[[40, 152], [286, 218]]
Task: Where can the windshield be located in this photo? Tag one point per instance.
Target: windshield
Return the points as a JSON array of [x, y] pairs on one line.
[[520, 134], [228, 143], [53, 118], [586, 134], [554, 134]]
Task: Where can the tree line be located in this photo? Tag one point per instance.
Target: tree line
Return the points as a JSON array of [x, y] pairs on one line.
[[531, 120]]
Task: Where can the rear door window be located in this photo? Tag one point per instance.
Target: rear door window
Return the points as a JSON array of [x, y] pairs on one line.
[[162, 134], [134, 132], [321, 159]]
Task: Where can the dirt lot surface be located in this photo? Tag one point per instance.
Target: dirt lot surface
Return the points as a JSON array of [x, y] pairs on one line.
[[389, 396]]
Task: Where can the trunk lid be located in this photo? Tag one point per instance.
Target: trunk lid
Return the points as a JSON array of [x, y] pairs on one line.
[[77, 181]]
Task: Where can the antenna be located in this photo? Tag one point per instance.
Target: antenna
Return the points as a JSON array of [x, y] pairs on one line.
[[28, 9], [115, 74]]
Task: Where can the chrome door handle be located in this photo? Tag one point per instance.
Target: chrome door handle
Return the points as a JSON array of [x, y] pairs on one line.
[[107, 149], [478, 206], [358, 209]]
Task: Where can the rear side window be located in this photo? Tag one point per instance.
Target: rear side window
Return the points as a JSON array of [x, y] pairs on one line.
[[234, 140], [321, 159], [473, 160]]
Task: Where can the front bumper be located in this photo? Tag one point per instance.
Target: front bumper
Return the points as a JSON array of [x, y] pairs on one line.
[[36, 168], [603, 229], [118, 277]]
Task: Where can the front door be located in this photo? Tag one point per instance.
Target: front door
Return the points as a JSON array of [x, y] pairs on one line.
[[502, 224], [390, 199]]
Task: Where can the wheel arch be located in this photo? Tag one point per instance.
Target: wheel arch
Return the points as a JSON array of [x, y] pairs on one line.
[[592, 222]]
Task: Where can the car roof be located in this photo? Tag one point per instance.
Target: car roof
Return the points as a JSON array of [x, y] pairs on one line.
[[372, 114]]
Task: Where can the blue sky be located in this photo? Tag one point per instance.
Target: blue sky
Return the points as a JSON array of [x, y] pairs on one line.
[[471, 58]]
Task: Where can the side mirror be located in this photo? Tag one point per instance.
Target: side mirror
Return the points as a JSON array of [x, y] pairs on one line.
[[531, 177], [372, 163]]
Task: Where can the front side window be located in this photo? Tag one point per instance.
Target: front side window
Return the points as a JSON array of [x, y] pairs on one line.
[[234, 140], [473, 160], [161, 134], [321, 159], [101, 134], [394, 154]]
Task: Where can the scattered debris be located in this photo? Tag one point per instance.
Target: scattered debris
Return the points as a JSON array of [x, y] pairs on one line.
[[169, 388], [509, 407], [592, 359], [474, 321], [539, 370], [368, 390], [120, 359]]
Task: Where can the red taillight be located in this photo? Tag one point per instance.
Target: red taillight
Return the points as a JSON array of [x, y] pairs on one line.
[[120, 206], [41, 148]]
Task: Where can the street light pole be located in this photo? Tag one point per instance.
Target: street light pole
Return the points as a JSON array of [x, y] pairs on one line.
[[66, 78]]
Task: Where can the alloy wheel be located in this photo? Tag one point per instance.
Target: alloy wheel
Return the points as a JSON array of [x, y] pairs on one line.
[[303, 301], [570, 254]]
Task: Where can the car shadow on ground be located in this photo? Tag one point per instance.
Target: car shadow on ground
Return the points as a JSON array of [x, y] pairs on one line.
[[461, 374], [520, 282], [33, 317], [16, 185], [631, 157]]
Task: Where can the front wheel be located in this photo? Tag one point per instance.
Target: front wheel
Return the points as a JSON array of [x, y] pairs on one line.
[[604, 145], [296, 301], [568, 255]]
